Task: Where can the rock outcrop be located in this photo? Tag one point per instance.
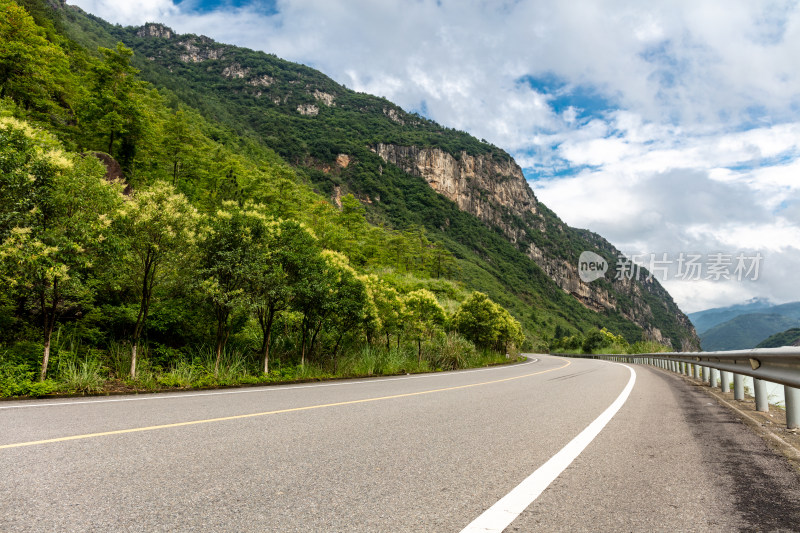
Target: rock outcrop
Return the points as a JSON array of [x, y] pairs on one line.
[[308, 109], [480, 185], [493, 188], [326, 98], [198, 49], [155, 30]]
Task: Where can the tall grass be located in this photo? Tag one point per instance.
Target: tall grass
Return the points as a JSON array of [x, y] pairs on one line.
[[82, 375], [118, 356], [77, 368]]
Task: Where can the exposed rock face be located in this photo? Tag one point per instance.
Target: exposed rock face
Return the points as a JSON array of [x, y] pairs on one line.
[[394, 115], [478, 184], [261, 81], [235, 70], [155, 30], [308, 109], [324, 97], [197, 50], [343, 160], [337, 196], [495, 190]]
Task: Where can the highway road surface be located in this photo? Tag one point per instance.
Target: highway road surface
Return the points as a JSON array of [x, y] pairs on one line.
[[552, 444]]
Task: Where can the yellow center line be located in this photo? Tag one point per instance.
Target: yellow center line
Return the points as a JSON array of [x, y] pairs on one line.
[[276, 412]]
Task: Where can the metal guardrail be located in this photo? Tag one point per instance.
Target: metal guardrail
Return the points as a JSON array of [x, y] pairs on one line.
[[777, 365]]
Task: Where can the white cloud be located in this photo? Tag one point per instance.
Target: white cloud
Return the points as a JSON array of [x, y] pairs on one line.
[[692, 141], [130, 12]]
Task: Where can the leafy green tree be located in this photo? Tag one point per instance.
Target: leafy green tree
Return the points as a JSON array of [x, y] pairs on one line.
[[509, 330], [389, 307], [595, 340], [48, 254], [33, 71], [313, 298], [19, 195], [423, 315], [113, 107], [277, 264], [157, 226], [234, 251], [477, 319], [351, 217], [349, 301], [486, 323]]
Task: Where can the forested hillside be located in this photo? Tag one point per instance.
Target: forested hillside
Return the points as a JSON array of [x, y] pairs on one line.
[[152, 235], [746, 331], [790, 337]]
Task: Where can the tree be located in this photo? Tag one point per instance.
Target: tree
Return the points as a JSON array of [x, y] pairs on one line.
[[157, 226], [231, 247], [33, 71], [477, 319], [48, 251], [113, 106], [349, 300], [509, 330], [423, 315], [389, 307], [486, 323], [275, 271], [313, 295], [19, 194]]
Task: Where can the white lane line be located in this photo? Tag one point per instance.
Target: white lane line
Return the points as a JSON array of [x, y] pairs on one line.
[[277, 388], [506, 510]]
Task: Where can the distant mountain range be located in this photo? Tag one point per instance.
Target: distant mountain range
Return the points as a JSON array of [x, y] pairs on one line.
[[744, 326]]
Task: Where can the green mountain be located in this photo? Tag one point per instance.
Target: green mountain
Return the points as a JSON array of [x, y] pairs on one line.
[[790, 337], [708, 318], [224, 123], [395, 163], [745, 331]]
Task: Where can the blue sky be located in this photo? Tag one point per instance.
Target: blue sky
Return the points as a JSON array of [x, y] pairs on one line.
[[666, 126]]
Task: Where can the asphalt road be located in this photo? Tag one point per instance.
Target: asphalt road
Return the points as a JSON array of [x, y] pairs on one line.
[[416, 453]]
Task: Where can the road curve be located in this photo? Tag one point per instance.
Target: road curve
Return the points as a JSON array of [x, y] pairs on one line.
[[416, 453]]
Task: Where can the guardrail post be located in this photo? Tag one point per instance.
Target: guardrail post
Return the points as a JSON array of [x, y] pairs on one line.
[[725, 381], [738, 387], [792, 407], [705, 374], [760, 392], [712, 378]]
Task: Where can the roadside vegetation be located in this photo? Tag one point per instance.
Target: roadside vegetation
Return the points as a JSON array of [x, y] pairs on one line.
[[600, 341], [144, 245]]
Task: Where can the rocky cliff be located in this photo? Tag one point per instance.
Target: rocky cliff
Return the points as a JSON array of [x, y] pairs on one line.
[[493, 188], [480, 185]]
